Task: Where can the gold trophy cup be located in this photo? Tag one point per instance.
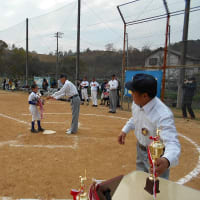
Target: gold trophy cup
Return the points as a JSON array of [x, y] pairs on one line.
[[83, 195], [156, 149]]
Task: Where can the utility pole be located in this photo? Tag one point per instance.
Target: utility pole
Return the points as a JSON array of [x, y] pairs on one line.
[[26, 51], [78, 41], [165, 50], [57, 35], [169, 56], [183, 53], [127, 50]]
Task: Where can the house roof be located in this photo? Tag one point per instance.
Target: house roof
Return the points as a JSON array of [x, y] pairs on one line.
[[177, 53]]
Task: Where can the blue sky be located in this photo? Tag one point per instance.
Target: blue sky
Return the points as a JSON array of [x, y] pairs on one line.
[[100, 23]]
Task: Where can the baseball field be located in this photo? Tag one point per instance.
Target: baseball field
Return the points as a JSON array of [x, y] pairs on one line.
[[48, 166]]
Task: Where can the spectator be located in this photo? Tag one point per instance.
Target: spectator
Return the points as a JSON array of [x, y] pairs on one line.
[[59, 84], [118, 93], [103, 89], [189, 87], [45, 84], [7, 84], [4, 84], [10, 84], [79, 88], [113, 85], [53, 84]]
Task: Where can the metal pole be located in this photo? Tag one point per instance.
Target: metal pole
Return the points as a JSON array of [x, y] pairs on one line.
[[26, 51], [78, 42], [183, 53], [57, 57], [127, 50], [165, 60], [123, 66]]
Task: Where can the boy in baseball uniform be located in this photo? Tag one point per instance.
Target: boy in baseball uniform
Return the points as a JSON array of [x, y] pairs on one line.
[[84, 92], [94, 89], [33, 101]]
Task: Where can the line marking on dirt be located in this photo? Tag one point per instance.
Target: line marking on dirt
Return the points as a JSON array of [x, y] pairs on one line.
[[12, 118], [54, 122], [15, 143], [44, 146], [91, 114], [194, 173], [183, 180]]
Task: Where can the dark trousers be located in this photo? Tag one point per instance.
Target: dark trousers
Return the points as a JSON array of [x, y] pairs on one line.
[[189, 108]]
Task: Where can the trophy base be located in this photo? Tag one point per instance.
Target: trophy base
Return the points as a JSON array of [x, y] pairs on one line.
[[149, 186]]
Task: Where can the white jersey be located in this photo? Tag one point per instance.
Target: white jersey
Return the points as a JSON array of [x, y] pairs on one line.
[[68, 89], [94, 86], [113, 84], [33, 99], [146, 120], [84, 84]]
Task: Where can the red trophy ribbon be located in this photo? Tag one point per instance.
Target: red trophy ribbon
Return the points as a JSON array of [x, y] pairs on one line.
[[41, 103], [80, 194]]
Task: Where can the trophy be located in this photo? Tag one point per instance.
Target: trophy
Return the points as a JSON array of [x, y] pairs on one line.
[[80, 194], [155, 151]]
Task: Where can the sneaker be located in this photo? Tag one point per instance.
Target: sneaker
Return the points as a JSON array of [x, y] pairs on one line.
[[34, 131], [110, 111], [69, 132], [40, 129]]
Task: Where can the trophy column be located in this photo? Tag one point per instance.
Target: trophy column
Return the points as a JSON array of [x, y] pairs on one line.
[[155, 151]]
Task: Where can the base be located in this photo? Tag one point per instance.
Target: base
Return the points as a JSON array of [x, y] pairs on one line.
[[149, 186]]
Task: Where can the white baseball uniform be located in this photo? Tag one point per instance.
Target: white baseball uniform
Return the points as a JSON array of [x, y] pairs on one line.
[[84, 93], [94, 87], [33, 99]]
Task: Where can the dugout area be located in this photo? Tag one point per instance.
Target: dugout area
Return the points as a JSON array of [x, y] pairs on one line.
[[49, 166]]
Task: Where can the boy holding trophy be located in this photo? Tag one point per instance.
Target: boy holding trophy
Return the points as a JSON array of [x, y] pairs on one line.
[[149, 114]]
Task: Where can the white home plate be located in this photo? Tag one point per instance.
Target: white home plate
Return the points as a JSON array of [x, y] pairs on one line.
[[49, 132]]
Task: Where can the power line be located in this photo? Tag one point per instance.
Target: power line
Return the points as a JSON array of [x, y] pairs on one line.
[[107, 26], [149, 19]]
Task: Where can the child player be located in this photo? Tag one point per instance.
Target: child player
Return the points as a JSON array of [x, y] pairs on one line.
[[34, 101]]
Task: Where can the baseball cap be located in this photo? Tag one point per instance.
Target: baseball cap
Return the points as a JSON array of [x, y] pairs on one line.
[[143, 83]]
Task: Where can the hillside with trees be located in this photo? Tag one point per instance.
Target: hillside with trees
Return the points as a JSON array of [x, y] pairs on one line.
[[98, 63]]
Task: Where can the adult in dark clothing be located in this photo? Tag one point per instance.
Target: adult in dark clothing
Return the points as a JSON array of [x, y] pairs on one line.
[[79, 89], [189, 88], [4, 84], [54, 84], [118, 93], [45, 84], [103, 90]]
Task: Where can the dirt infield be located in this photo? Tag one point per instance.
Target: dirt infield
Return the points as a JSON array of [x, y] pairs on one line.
[[48, 166]]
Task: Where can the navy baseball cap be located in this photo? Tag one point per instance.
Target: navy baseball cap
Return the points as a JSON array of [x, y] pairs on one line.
[[143, 83]]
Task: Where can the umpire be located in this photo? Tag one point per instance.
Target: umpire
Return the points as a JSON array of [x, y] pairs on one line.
[[70, 90]]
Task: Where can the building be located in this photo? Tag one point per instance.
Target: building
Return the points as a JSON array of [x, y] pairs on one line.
[[173, 59]]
